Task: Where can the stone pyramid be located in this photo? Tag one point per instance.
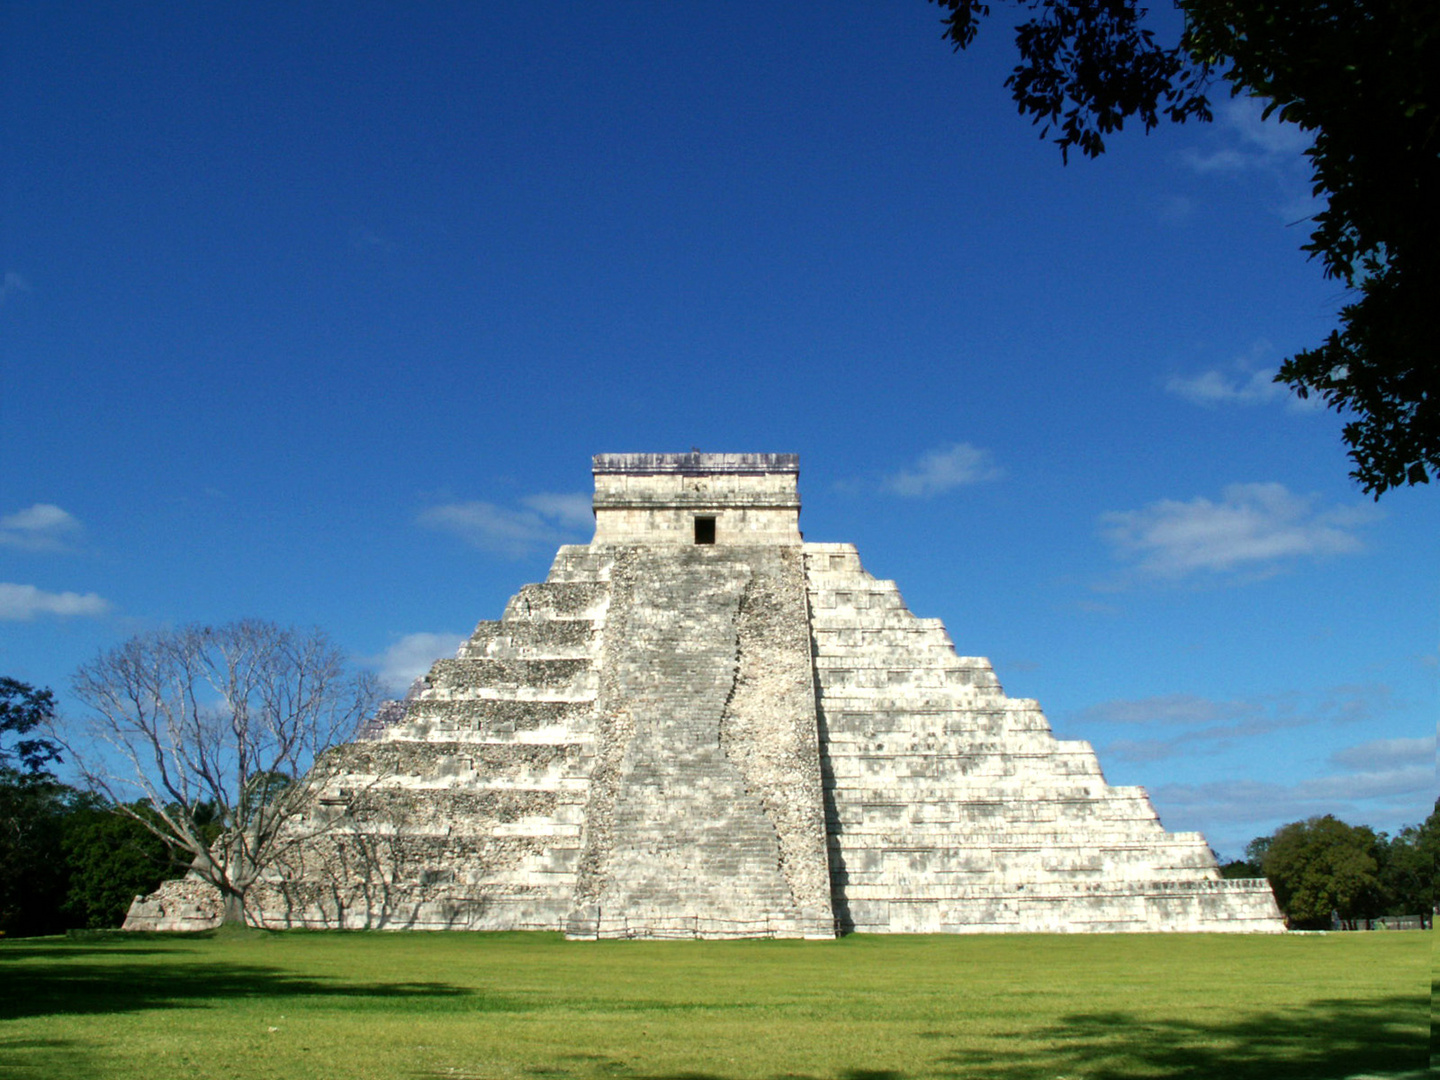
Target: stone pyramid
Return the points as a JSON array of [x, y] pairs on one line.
[[701, 726]]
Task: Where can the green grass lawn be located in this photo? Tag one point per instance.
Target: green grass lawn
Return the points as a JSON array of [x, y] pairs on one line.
[[375, 1005]]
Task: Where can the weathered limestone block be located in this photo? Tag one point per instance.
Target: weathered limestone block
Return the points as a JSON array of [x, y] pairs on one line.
[[514, 640], [769, 726], [656, 499], [466, 811], [701, 822], [182, 904], [559, 599], [488, 718]]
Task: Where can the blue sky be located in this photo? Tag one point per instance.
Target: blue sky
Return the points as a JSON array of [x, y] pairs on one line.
[[316, 312]]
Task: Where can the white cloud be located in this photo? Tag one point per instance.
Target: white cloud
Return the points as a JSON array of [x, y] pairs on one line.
[[1382, 782], [1232, 812], [942, 469], [1236, 387], [21, 603], [1270, 137], [42, 527], [1174, 209], [1254, 527], [1253, 142], [1356, 704], [1222, 160], [1370, 783], [412, 656], [547, 520], [491, 528], [1243, 145], [1246, 380], [574, 510], [363, 238], [1215, 739]]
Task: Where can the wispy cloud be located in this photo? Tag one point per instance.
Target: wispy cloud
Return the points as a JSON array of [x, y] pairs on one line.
[[1359, 703], [1232, 812], [362, 239], [1217, 387], [1244, 143], [1257, 529], [1222, 159], [1371, 783], [12, 283], [944, 469], [545, 520], [1167, 709], [573, 510], [21, 603], [1215, 739], [1178, 725], [1246, 380], [42, 527], [1270, 137], [1383, 782], [1251, 140], [1174, 209], [1387, 754], [1211, 726], [412, 656]]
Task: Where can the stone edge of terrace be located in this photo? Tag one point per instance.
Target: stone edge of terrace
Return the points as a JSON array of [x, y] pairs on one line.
[[694, 464]]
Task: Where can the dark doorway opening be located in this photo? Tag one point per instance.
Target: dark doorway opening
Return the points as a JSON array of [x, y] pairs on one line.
[[704, 530]]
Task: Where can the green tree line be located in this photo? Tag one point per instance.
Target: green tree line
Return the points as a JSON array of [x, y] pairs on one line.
[[1323, 869], [68, 860]]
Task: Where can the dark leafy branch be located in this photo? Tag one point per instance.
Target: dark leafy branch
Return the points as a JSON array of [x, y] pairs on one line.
[[1359, 78], [23, 708]]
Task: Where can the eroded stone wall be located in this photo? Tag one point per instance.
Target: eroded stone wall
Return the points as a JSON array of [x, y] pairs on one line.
[[468, 812], [654, 499], [692, 831], [952, 808]]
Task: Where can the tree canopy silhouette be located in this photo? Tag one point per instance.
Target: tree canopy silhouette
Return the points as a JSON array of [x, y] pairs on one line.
[[1357, 77]]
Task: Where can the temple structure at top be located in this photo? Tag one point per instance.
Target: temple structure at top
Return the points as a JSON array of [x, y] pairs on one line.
[[735, 500], [700, 725]]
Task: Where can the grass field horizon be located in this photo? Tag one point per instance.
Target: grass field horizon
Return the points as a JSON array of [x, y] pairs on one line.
[[257, 1004]]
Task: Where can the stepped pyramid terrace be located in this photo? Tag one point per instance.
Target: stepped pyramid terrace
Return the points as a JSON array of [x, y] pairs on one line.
[[700, 725]]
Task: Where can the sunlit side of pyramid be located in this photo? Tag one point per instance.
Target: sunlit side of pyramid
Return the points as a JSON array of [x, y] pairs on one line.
[[701, 726]]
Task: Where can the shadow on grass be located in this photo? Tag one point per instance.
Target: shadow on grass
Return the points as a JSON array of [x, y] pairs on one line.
[[1320, 1040], [1324, 1040], [609, 1068], [24, 1059], [1317, 1041], [62, 979]]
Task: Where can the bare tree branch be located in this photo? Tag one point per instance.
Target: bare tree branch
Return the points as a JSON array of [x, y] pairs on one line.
[[223, 732]]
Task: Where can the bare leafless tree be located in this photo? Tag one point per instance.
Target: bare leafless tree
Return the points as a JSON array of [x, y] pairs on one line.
[[224, 727]]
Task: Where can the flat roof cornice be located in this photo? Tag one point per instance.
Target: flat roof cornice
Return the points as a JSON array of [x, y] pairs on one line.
[[694, 464]]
